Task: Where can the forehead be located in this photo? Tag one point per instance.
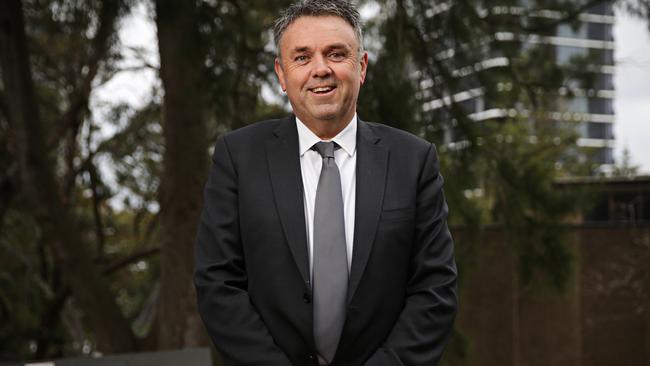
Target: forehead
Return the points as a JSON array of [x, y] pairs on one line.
[[318, 31]]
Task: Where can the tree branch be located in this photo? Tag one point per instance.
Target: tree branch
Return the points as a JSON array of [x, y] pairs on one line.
[[102, 313], [97, 215], [50, 318], [131, 258], [78, 102]]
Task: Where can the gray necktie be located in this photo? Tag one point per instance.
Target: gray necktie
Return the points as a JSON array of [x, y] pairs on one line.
[[330, 258]]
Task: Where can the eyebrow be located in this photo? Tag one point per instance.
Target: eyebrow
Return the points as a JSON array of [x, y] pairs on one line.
[[334, 46], [300, 49], [337, 46]]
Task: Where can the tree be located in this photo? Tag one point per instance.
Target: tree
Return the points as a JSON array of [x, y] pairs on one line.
[[38, 181], [140, 256], [108, 263], [499, 170], [625, 168], [185, 164]]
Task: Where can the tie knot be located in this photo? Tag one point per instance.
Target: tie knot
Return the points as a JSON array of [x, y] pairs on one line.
[[325, 149]]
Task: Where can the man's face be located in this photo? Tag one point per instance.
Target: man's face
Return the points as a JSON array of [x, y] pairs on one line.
[[320, 68]]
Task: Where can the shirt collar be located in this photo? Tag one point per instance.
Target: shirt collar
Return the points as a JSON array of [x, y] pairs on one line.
[[346, 139]]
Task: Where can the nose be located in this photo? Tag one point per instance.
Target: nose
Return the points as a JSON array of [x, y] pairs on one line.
[[321, 67]]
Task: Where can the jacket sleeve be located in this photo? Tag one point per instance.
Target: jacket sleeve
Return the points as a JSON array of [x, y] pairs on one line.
[[220, 276], [421, 332]]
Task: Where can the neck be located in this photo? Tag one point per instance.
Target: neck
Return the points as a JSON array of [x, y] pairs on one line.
[[326, 129]]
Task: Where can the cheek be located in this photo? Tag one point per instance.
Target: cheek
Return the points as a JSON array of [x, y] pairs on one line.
[[295, 80], [352, 73]]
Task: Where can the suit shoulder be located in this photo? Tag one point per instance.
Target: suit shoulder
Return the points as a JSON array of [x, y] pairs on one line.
[[253, 131], [397, 137]]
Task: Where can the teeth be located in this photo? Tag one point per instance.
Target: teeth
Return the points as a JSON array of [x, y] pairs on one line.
[[322, 90]]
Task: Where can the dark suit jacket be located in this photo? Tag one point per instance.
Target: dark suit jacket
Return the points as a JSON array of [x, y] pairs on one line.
[[252, 272]]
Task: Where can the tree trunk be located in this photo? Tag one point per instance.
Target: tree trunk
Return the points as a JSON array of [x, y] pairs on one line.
[[101, 313], [185, 166]]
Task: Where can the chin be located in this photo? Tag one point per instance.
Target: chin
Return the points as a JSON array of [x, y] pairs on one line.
[[326, 114], [325, 117]]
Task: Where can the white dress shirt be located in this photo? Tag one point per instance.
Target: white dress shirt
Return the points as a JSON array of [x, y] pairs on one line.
[[310, 165]]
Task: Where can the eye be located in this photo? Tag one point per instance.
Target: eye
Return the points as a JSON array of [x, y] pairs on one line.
[[337, 55], [301, 58]]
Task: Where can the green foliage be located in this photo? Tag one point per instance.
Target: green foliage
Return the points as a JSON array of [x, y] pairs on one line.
[[135, 153], [136, 283], [111, 181], [625, 168], [37, 319], [499, 170], [239, 47], [519, 177], [73, 47], [639, 8], [388, 91], [62, 39], [22, 291]]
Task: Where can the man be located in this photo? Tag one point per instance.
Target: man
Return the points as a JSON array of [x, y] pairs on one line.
[[323, 238]]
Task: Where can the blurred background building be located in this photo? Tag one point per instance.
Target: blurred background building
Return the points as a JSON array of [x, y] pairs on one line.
[[96, 235], [583, 48]]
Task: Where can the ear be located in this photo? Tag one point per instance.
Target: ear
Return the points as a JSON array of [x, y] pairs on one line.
[[280, 73], [364, 66]]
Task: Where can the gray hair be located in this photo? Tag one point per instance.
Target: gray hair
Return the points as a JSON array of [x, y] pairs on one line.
[[340, 8]]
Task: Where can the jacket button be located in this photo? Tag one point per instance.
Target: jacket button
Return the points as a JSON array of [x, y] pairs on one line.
[[307, 299]]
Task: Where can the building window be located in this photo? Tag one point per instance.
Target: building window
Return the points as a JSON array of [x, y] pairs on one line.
[[601, 106], [605, 156], [566, 55], [576, 104], [569, 31], [599, 131], [599, 31]]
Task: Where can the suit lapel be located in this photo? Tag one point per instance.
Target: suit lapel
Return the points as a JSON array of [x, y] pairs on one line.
[[372, 163], [284, 167], [286, 180]]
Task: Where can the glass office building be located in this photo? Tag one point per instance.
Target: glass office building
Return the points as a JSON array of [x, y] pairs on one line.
[[584, 100]]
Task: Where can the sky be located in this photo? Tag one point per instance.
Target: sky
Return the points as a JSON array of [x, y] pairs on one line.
[[632, 80], [632, 83]]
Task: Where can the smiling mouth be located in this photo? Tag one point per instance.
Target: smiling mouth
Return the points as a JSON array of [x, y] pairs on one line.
[[322, 89]]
